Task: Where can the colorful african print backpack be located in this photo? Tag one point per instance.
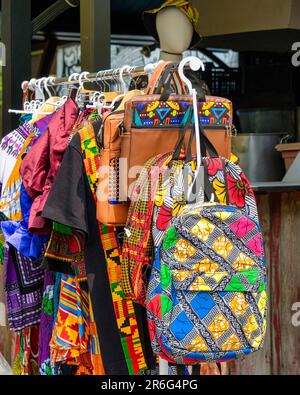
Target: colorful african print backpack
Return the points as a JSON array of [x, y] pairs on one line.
[[206, 298]]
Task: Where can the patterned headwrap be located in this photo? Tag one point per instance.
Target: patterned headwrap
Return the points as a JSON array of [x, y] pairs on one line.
[[149, 18], [184, 6]]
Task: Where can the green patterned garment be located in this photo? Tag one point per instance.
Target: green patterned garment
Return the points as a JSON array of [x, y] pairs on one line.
[[2, 241]]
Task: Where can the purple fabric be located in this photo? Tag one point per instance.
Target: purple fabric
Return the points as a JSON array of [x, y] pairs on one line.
[[24, 277], [41, 127], [46, 324], [43, 123], [23, 290]]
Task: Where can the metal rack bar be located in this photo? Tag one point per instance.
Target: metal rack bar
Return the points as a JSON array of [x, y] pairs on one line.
[[103, 75]]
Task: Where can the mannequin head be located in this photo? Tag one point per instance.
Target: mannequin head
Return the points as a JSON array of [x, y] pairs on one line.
[[175, 32]]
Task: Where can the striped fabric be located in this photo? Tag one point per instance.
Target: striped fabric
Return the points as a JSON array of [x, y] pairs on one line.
[[137, 246], [70, 338]]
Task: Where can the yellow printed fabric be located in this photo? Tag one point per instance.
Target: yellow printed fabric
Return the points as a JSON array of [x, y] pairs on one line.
[[11, 181], [191, 12]]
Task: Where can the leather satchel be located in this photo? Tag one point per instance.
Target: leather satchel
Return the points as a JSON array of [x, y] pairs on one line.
[[150, 125], [112, 207], [153, 126]]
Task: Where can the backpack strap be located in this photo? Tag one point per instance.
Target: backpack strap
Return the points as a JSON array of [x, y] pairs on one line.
[[160, 81], [155, 78]]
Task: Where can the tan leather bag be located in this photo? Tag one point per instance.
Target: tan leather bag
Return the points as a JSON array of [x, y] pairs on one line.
[[112, 207], [152, 126]]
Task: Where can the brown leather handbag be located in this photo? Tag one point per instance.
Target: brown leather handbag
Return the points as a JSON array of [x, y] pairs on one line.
[[112, 207], [150, 125], [153, 126]]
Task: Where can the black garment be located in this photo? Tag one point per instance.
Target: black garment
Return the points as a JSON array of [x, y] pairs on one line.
[[71, 203]]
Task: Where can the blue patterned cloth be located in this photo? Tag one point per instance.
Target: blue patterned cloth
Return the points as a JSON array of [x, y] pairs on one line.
[[17, 235]]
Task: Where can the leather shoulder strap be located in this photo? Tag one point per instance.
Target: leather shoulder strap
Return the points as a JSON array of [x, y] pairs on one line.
[[156, 77]]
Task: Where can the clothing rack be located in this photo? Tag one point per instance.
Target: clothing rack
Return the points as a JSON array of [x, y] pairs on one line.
[[102, 75]]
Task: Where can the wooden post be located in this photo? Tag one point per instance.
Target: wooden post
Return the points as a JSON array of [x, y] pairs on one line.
[[16, 36], [49, 52], [95, 32]]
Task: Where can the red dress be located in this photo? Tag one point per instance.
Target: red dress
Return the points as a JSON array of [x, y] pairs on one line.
[[41, 164]]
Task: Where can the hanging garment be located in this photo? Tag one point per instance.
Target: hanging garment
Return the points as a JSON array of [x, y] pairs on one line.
[[41, 164], [78, 348], [10, 179], [65, 252], [72, 204], [46, 325], [23, 290], [2, 291], [70, 342], [10, 148], [2, 240], [112, 250], [13, 147], [137, 252], [23, 276], [16, 232], [26, 352]]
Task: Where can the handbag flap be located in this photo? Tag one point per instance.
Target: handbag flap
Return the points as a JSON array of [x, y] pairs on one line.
[[150, 112]]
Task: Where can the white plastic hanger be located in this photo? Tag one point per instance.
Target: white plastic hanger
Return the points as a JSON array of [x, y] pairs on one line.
[[39, 86], [105, 83], [195, 64], [29, 106], [124, 88], [82, 75], [47, 81], [96, 98], [73, 77]]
